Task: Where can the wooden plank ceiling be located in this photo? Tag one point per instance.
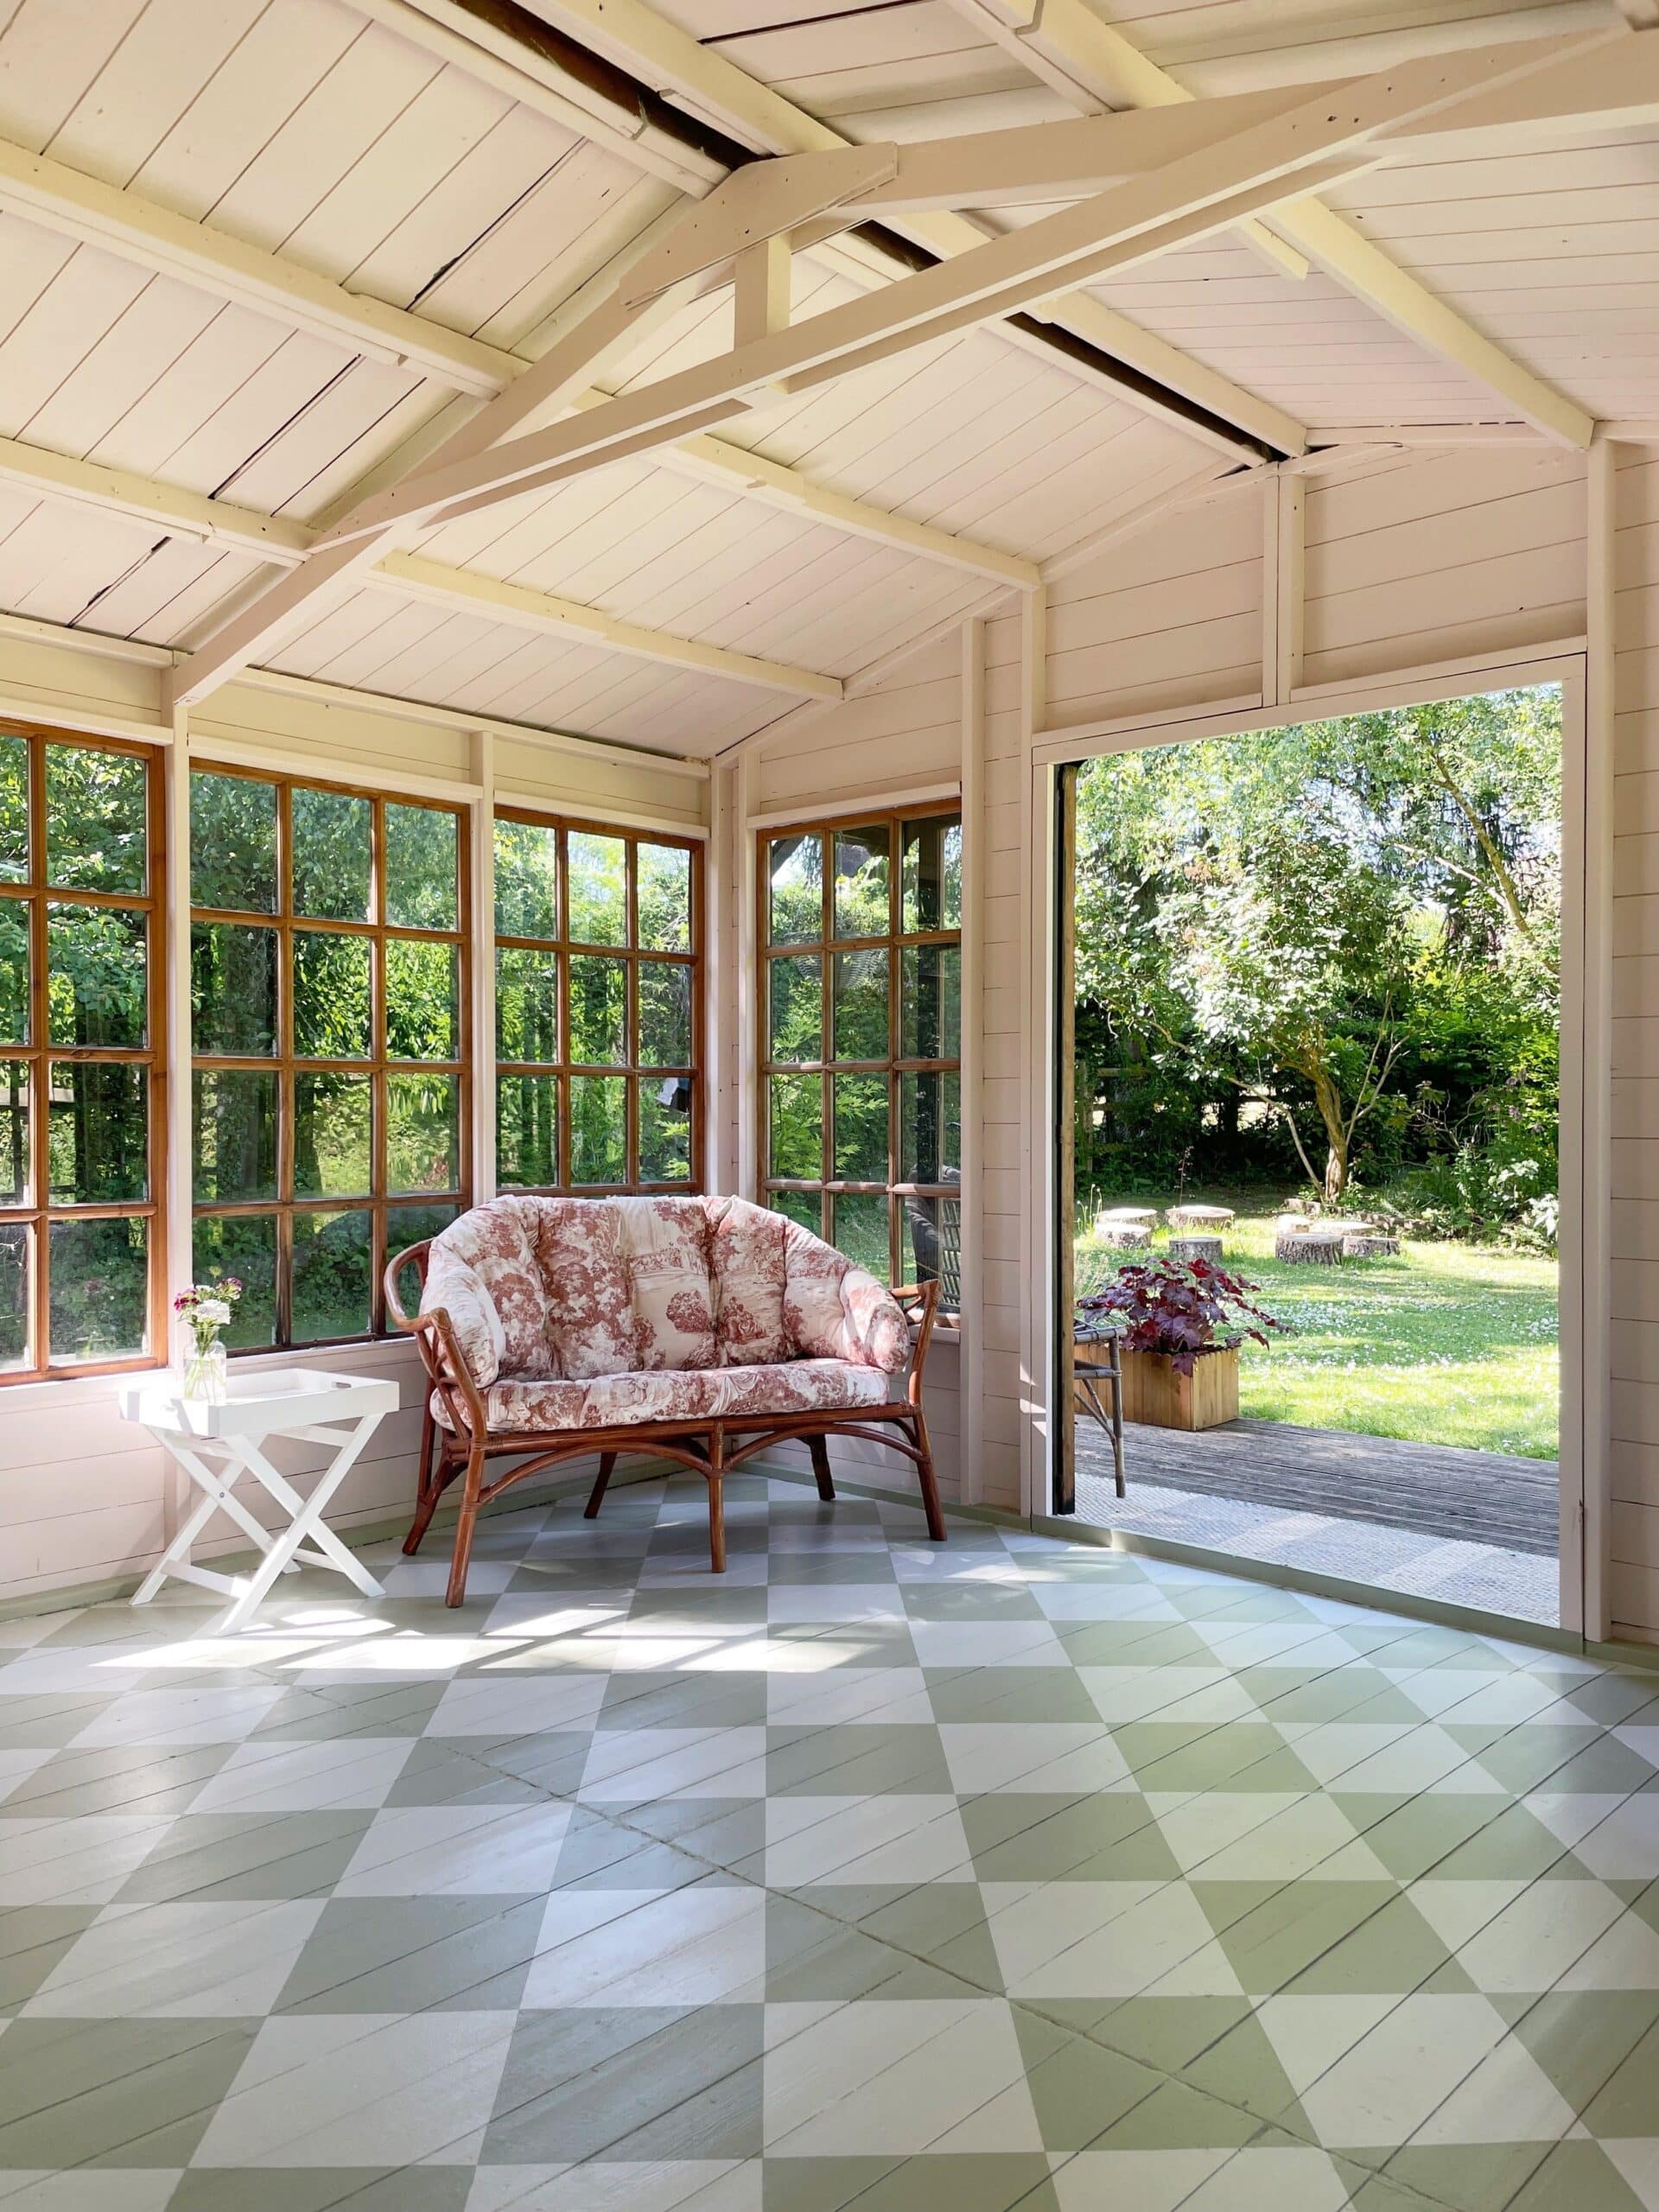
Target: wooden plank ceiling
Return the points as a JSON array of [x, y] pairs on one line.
[[324, 135]]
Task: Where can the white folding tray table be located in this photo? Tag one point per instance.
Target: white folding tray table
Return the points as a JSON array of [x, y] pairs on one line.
[[216, 1445]]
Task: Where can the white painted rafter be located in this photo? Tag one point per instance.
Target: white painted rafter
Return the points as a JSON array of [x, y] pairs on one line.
[[1070, 46]]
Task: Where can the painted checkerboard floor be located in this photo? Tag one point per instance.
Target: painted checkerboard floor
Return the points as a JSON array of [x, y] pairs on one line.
[[876, 1874]]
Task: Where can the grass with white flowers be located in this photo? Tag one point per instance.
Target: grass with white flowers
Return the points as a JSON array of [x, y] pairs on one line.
[[1449, 1343]]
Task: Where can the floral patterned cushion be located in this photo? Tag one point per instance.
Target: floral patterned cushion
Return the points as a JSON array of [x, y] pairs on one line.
[[584, 1274], [665, 1250], [577, 1290], [708, 1394], [747, 1254]]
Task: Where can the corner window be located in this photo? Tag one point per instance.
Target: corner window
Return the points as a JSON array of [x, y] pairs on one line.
[[598, 1008], [860, 1022]]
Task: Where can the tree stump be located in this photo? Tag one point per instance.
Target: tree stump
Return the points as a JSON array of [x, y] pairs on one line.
[[1310, 1247], [1123, 1236], [1205, 1220], [1195, 1248], [1369, 1244], [1126, 1218]]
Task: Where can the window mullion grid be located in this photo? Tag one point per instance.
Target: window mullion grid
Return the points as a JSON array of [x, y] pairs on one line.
[[40, 1169]]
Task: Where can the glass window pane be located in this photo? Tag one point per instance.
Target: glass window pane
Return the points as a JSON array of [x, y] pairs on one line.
[[527, 1131], [14, 1132], [97, 975], [422, 1000], [526, 1004], [598, 888], [421, 868], [14, 971], [98, 1132], [931, 1015], [526, 879], [797, 1009], [859, 1220], [332, 1259], [664, 891], [665, 1130], [333, 1150], [861, 1032], [96, 835], [333, 854], [233, 1120], [599, 1005], [243, 1245], [13, 815], [599, 1128], [15, 1241], [930, 1128], [331, 996], [862, 862], [805, 1207], [233, 843], [795, 1149], [932, 873], [422, 1133], [931, 1249], [100, 1289], [795, 881], [860, 1111], [407, 1225], [664, 1015], [233, 988]]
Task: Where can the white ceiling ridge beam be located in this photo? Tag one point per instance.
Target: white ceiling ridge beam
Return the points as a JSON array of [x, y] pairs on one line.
[[410, 575], [511, 65], [277, 538], [1088, 239], [1328, 438], [704, 82], [1104, 65]]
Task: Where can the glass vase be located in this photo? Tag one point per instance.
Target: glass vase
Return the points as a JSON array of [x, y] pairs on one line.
[[205, 1371]]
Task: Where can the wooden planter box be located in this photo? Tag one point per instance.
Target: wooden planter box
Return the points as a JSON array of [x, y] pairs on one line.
[[1155, 1394]]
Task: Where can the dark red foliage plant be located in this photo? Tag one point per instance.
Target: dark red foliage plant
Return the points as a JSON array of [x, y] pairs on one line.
[[1180, 1308]]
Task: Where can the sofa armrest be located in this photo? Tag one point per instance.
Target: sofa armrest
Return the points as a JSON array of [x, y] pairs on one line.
[[920, 1304]]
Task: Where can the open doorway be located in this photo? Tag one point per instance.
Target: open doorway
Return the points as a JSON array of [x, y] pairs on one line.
[[1311, 1029]]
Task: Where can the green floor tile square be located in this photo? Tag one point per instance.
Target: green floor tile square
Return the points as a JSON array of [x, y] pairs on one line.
[[1016, 1838], [856, 1760]]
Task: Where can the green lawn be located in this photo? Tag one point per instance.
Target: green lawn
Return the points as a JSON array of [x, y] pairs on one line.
[[1450, 1344]]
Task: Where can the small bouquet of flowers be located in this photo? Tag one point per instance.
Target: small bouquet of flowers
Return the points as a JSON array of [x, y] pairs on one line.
[[204, 1310]]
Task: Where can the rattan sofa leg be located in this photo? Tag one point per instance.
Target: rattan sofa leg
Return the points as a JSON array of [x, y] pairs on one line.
[[930, 1481], [819, 1448], [466, 1521], [596, 1496]]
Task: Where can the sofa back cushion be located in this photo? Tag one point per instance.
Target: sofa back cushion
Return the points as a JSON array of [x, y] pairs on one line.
[[836, 1310], [747, 1256], [665, 1255], [589, 1303], [483, 1270]]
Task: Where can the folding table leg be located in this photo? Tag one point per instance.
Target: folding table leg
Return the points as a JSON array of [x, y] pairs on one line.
[[307, 1525], [218, 1496]]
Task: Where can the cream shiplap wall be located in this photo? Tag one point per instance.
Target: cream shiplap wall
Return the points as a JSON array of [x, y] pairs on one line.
[[85, 1497], [1634, 1585]]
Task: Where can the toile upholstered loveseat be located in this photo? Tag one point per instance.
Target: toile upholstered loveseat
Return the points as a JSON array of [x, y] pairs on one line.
[[697, 1329]]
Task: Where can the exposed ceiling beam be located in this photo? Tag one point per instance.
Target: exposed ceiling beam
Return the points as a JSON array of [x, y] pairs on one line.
[[286, 543], [704, 82], [1068, 46], [407, 576], [153, 238]]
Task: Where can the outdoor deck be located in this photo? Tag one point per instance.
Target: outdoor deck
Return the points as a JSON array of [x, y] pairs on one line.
[[1480, 1497]]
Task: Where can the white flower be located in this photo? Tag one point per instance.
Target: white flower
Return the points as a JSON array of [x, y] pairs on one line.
[[212, 1313]]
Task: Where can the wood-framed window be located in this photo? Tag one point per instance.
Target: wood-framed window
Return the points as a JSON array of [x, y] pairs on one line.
[[330, 1016], [860, 931], [598, 1006], [82, 1118]]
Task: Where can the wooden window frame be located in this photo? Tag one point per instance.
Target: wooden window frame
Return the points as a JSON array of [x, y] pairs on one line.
[[40, 1216], [633, 1072], [380, 1204], [895, 1065]]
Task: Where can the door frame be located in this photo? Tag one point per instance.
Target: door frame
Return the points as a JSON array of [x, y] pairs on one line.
[[1585, 1171]]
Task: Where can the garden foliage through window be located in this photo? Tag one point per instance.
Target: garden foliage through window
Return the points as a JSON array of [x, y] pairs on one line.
[[598, 1008], [861, 1052], [329, 986], [81, 1257]]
